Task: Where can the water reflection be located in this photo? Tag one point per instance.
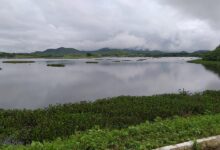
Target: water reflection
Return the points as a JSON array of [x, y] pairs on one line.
[[213, 68], [36, 85]]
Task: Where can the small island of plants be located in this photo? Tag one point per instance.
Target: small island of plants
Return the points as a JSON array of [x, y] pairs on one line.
[[18, 61], [92, 62], [56, 65]]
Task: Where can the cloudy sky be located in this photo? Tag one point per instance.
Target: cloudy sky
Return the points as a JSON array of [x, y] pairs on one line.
[[29, 25]]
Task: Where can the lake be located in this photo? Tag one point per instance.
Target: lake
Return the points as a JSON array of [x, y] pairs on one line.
[[37, 85]]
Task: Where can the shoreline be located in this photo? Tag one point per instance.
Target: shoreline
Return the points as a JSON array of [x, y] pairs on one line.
[[204, 62]]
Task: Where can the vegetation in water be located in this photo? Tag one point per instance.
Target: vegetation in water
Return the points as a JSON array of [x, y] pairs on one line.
[[18, 61], [64, 120], [92, 62], [55, 65], [141, 59], [99, 59], [146, 136]]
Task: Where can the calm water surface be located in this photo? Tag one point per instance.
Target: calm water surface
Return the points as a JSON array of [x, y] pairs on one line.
[[36, 85]]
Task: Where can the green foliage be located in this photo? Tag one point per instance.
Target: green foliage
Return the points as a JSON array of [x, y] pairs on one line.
[[141, 137], [213, 55], [196, 146], [88, 54], [115, 113]]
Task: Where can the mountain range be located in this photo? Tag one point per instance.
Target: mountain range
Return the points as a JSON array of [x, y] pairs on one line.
[[63, 52]]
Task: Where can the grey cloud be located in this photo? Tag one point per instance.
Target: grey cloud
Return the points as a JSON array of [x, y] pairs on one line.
[[28, 25], [207, 10]]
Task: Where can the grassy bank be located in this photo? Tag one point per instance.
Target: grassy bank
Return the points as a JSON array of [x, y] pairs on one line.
[[115, 113], [144, 136], [205, 62]]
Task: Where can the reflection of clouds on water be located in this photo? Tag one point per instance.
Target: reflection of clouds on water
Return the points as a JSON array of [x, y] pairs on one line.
[[37, 85]]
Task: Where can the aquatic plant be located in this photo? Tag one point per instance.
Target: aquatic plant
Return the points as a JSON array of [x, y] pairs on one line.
[[113, 113], [92, 62], [56, 65], [18, 61]]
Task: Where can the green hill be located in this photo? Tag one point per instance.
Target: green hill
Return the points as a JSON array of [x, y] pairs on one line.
[[213, 55], [104, 52], [113, 52], [59, 52]]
